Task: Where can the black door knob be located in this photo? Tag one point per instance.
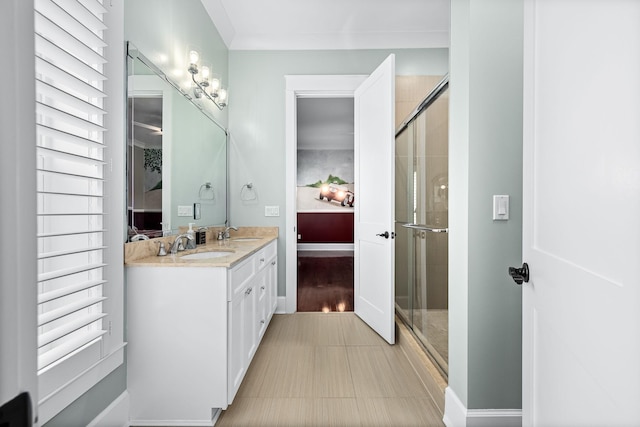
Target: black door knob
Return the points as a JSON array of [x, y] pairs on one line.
[[521, 274], [386, 235]]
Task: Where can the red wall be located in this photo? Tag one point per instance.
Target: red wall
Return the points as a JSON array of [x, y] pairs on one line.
[[319, 227]]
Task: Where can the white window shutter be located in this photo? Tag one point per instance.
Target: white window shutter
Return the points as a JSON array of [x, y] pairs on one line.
[[70, 177]]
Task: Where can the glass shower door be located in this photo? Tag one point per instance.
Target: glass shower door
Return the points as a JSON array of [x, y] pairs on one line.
[[422, 186]]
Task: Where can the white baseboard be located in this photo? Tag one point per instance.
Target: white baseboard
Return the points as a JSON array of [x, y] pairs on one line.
[[457, 415], [282, 305], [114, 415]]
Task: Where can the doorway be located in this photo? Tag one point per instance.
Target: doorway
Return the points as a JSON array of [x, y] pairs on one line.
[[299, 89], [324, 203]]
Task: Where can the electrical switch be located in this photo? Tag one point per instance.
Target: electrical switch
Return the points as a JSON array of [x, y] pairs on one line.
[[500, 207]]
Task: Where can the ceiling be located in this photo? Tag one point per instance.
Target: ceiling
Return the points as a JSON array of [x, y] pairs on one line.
[[330, 24]]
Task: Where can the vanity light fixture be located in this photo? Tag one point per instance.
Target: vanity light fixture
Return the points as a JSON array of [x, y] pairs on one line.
[[204, 83]]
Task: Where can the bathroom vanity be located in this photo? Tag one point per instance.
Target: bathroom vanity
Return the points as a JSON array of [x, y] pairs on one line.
[[195, 320]]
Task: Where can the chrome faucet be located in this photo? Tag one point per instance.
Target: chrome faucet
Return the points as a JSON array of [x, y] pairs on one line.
[[177, 244], [226, 231]]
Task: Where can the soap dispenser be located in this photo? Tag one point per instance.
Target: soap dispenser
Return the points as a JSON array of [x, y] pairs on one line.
[[191, 243]]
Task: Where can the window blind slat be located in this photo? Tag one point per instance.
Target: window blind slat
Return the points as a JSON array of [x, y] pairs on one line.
[[66, 41], [54, 254], [70, 23], [65, 98], [68, 290], [93, 6], [67, 328], [64, 78], [67, 272], [73, 233], [52, 356], [56, 134], [64, 117], [50, 152], [64, 59], [92, 19], [58, 313], [54, 193], [75, 175]]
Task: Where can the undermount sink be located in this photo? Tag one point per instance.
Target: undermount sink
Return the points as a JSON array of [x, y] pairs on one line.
[[207, 255], [245, 239]]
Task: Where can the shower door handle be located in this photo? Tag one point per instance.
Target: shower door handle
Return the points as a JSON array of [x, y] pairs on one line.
[[423, 227]]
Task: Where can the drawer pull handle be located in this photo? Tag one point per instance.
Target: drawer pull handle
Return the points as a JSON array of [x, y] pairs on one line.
[[273, 263], [262, 322], [248, 291], [261, 259], [262, 288]]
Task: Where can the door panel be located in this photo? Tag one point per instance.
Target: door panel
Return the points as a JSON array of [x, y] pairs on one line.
[[581, 233], [374, 103]]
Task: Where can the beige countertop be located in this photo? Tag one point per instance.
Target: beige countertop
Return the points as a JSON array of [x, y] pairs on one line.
[[138, 254]]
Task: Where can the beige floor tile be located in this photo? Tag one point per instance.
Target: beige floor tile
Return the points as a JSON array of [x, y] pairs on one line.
[[398, 412], [332, 377], [371, 373], [339, 412], [356, 332], [289, 372]]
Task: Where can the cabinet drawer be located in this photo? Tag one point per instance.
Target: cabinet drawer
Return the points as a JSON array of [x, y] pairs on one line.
[[265, 254], [240, 275]]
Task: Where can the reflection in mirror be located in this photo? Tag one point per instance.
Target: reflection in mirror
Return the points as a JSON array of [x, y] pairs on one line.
[[176, 156]]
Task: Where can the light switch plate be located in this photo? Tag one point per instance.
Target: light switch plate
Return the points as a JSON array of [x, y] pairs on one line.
[[500, 207], [185, 210], [272, 211]]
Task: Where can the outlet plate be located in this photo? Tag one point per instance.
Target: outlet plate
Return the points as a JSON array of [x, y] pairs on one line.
[[272, 211], [185, 210]]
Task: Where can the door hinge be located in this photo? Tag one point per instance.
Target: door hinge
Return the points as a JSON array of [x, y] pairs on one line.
[[110, 327]]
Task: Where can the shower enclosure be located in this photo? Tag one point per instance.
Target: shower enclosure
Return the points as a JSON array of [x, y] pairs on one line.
[[422, 188]]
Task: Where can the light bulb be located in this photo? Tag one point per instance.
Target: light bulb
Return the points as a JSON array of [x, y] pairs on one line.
[[215, 85], [222, 95], [205, 72], [194, 57]]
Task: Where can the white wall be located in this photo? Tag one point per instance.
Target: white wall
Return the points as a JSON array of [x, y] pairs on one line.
[[18, 203]]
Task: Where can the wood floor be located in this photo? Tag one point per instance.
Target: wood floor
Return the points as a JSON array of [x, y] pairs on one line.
[[329, 369], [325, 283]]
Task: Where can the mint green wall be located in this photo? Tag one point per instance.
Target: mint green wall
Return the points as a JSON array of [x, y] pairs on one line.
[[485, 159], [257, 118]]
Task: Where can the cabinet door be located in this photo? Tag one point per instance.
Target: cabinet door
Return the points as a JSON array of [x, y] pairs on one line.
[[236, 361], [264, 299], [249, 332], [273, 286]]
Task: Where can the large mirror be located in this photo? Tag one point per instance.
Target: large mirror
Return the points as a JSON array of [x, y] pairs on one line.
[[176, 156]]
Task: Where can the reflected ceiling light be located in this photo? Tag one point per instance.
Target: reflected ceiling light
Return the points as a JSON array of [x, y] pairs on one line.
[[205, 83]]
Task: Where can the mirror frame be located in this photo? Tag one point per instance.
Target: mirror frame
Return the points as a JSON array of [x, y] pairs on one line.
[[133, 53]]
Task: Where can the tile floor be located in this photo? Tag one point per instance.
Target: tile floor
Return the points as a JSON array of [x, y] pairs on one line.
[[329, 369]]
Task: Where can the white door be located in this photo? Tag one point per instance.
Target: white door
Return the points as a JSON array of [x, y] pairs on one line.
[[374, 103], [581, 231]]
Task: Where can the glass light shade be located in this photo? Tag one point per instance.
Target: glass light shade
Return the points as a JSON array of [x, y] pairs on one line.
[[194, 57], [215, 84], [222, 96], [205, 72]]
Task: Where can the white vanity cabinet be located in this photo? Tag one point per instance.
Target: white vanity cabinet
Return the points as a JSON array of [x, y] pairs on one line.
[[252, 288], [192, 332]]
